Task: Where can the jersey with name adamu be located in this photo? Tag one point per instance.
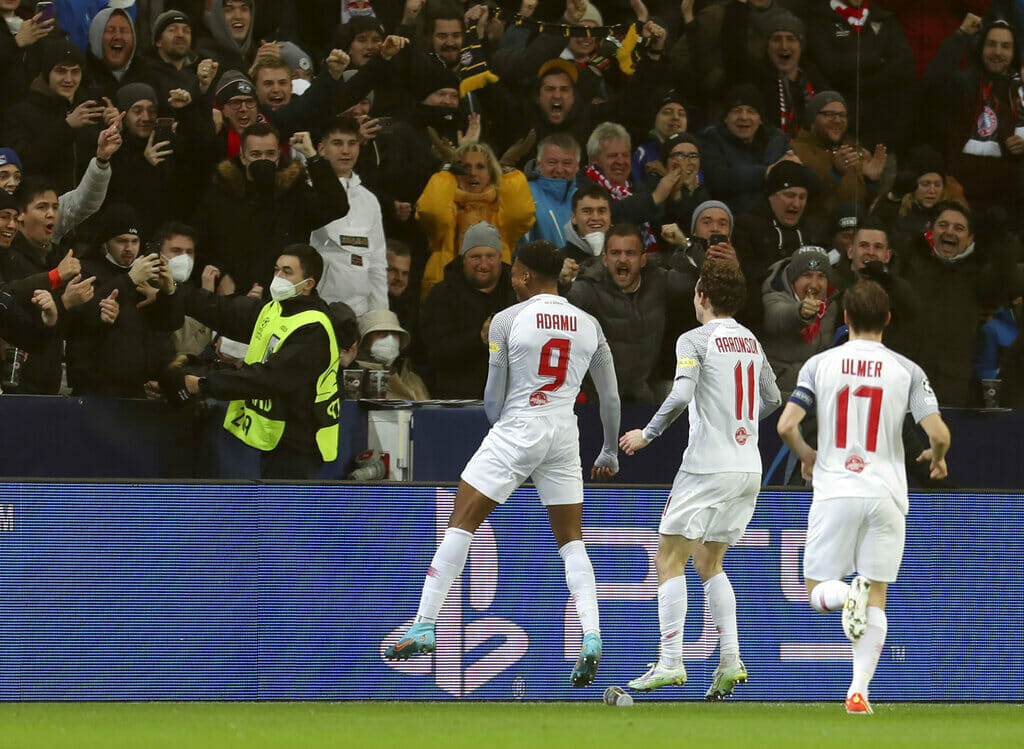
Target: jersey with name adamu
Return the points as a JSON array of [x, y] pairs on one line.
[[862, 391], [733, 379], [548, 345]]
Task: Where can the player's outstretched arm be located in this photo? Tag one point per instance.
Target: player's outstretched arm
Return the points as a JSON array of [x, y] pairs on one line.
[[674, 404], [939, 439], [494, 391], [789, 431], [602, 372]]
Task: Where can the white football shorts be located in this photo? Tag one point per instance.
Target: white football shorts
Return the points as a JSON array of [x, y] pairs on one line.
[[857, 534], [544, 447], [710, 506]]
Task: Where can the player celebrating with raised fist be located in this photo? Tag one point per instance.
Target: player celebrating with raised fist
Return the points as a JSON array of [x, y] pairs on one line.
[[540, 350], [857, 522], [724, 378]]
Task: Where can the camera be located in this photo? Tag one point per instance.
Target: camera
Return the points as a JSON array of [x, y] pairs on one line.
[[717, 239], [458, 168]]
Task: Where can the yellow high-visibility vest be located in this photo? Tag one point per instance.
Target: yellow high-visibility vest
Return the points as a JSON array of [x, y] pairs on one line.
[[259, 422]]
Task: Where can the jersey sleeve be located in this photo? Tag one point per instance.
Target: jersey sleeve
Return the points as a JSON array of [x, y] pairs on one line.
[[769, 388], [922, 398], [497, 338], [690, 353], [805, 391]]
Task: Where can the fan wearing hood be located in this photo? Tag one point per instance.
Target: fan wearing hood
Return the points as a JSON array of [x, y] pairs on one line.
[[111, 61], [230, 40]]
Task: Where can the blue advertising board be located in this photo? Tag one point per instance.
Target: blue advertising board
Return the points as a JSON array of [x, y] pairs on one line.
[[156, 591]]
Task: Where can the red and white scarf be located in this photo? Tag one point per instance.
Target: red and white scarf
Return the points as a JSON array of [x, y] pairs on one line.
[[621, 192], [856, 17], [810, 332]]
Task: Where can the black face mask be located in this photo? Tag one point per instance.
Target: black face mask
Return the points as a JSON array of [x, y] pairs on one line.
[[442, 119], [263, 172]]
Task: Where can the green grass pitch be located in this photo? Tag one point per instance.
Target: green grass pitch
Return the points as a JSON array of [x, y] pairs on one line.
[[588, 725]]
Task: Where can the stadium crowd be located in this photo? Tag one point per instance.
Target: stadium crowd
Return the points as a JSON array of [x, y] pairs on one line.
[[154, 155]]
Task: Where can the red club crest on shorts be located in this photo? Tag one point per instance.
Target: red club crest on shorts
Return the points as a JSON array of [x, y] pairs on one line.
[[538, 399], [855, 463], [742, 435]]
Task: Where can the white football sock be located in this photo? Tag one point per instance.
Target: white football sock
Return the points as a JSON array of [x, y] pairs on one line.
[[722, 604], [867, 650], [829, 596], [447, 564], [579, 577], [671, 617]]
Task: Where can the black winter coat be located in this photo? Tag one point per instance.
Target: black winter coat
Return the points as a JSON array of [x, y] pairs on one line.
[[634, 324], [242, 231], [36, 129], [450, 322], [24, 267], [118, 359]]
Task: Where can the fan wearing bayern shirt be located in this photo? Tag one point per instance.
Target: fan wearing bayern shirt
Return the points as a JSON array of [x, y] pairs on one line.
[[540, 351], [723, 377], [857, 521]]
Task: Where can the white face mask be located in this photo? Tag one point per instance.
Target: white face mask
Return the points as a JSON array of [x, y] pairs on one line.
[[596, 241], [385, 350], [281, 288], [180, 267]]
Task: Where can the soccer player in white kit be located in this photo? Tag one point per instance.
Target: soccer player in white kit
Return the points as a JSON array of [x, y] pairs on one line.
[[724, 378], [857, 521], [540, 351]]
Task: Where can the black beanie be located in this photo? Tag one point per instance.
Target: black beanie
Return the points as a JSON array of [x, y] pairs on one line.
[[233, 83], [347, 32], [746, 94], [430, 75], [59, 52], [129, 94], [165, 19], [788, 174], [924, 159], [672, 141], [118, 219]]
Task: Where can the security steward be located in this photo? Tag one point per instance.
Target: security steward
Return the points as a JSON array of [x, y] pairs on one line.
[[284, 398]]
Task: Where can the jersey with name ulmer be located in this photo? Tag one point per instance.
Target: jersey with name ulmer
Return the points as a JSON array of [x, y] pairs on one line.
[[862, 391], [732, 375], [547, 344]]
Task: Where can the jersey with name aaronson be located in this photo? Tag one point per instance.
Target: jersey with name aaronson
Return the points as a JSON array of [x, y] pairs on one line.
[[547, 345], [732, 377], [862, 391]]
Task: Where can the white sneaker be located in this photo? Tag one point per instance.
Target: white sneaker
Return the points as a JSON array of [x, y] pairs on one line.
[[855, 610], [659, 676]]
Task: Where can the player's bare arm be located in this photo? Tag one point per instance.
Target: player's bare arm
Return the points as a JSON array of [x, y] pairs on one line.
[[789, 430], [632, 441], [939, 439]]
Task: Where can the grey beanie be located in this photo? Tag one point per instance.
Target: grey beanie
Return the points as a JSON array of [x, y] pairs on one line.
[[295, 58], [807, 259], [482, 234], [786, 21], [818, 102], [710, 204], [349, 75]]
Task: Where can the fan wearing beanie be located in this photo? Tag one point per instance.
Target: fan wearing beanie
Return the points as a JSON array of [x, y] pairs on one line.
[[456, 314], [118, 359], [849, 172], [37, 126], [740, 148], [799, 313], [474, 189], [781, 69]]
